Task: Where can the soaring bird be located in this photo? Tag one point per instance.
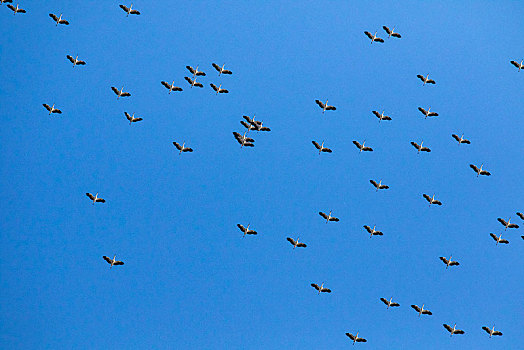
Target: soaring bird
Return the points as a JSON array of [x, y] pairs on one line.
[[431, 200], [373, 231], [419, 147], [321, 147], [320, 288], [491, 331], [460, 139], [516, 64], [132, 118], [373, 37], [356, 338], [95, 198], [193, 82], [75, 61], [195, 71], [425, 79], [15, 9], [120, 93], [520, 215], [221, 70], [171, 87], [219, 89], [362, 146], [507, 224], [453, 330], [449, 262], [381, 116], [328, 217], [379, 185], [391, 32], [59, 19], [243, 140], [296, 243], [479, 171], [182, 148], [51, 109], [113, 261], [427, 113], [246, 230], [129, 10], [499, 239], [421, 310], [389, 303], [325, 106]]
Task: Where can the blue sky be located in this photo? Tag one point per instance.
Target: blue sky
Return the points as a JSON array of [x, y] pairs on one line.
[[190, 281]]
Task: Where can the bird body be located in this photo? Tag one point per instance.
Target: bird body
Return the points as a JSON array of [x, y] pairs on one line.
[[325, 106], [59, 19], [120, 93], [296, 243], [182, 148], [373, 37], [449, 262], [52, 109], [431, 200], [221, 70], [518, 65], [132, 118], [95, 198], [171, 87], [328, 217], [420, 148], [453, 330], [113, 262], [379, 185], [246, 230], [321, 147]]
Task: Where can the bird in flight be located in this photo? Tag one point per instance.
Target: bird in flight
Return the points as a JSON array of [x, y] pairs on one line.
[[246, 230], [373, 37], [218, 89], [182, 148], [421, 310], [120, 93], [453, 330], [296, 243], [389, 303], [492, 331], [15, 9], [113, 261], [449, 262], [460, 139], [373, 231], [171, 87], [321, 147], [507, 224], [129, 10], [420, 148], [325, 106], [516, 64], [431, 200], [479, 171], [320, 288], [243, 140], [132, 118], [356, 338], [499, 239], [75, 61], [520, 215], [95, 198], [328, 217], [362, 146], [193, 82], [425, 79], [221, 70], [195, 71], [59, 19], [427, 113], [391, 32], [379, 185], [381, 116], [52, 109]]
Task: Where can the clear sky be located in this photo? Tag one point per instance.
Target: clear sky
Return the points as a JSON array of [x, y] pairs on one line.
[[190, 281]]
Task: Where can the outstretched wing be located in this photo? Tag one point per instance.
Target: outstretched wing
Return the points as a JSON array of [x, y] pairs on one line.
[[387, 29], [368, 228], [485, 172], [494, 236], [422, 110], [520, 215], [420, 77], [317, 146], [377, 114], [53, 17], [291, 240], [134, 12], [368, 34], [396, 35], [12, 8], [214, 86], [302, 245], [455, 137], [241, 227], [444, 260], [118, 263], [497, 333], [454, 263], [314, 285], [334, 219], [107, 259], [177, 145], [384, 301], [458, 331], [516, 64], [395, 304], [356, 143], [448, 327], [128, 117], [320, 103], [328, 150], [417, 309], [431, 81], [331, 108], [380, 40], [502, 221], [100, 200], [361, 340], [90, 196], [326, 290], [225, 71], [324, 215], [416, 145], [216, 66], [374, 183], [428, 198], [188, 149], [427, 312], [70, 58], [115, 90], [199, 85], [124, 7], [189, 80], [189, 68], [168, 86], [47, 106]]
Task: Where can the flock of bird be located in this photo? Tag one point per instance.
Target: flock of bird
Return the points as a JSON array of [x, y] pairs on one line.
[[251, 124]]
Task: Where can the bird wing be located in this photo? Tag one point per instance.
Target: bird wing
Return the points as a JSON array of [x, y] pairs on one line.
[[431, 81], [466, 141], [125, 94], [427, 312], [223, 91], [127, 116], [137, 119], [216, 66], [502, 221], [377, 114], [384, 301], [168, 86], [497, 333], [56, 110], [415, 145], [53, 17], [433, 114], [387, 29], [249, 139], [520, 215], [303, 245], [374, 183], [485, 172], [378, 233], [454, 263], [351, 336], [241, 227], [331, 108], [328, 150], [189, 68], [213, 86], [356, 143], [458, 331], [247, 144], [324, 215], [82, 63], [334, 219], [134, 12], [251, 232], [11, 7], [188, 149], [422, 110], [368, 228], [320, 103], [486, 329], [448, 327], [265, 128], [124, 7], [420, 77], [107, 259], [417, 309], [385, 187], [199, 85], [90, 196], [386, 117], [317, 146], [115, 90], [177, 145], [380, 40], [237, 136], [248, 119], [291, 240], [314, 285], [369, 149], [512, 62], [396, 35], [361, 340], [326, 290], [46, 106], [70, 58], [494, 236], [504, 241], [64, 22], [428, 198], [226, 72], [101, 200], [189, 80], [437, 202], [368, 34], [444, 260], [118, 263], [513, 226], [246, 125], [425, 149], [395, 304]]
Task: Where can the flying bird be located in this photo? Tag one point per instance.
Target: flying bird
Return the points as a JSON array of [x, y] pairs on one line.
[[95, 198], [243, 140], [129, 10], [379, 185], [381, 116], [389, 303], [246, 230], [15, 9], [499, 239], [182, 148], [520, 215], [431, 200], [193, 82], [449, 262], [356, 338], [516, 64], [373, 231], [507, 224], [75, 61], [420, 148], [325, 106], [221, 70], [391, 32], [320, 288], [195, 71], [219, 89], [58, 20], [296, 243], [328, 217], [425, 79], [453, 330], [460, 139], [492, 331], [427, 113], [132, 118], [52, 109], [373, 37], [362, 146], [479, 171], [421, 310], [113, 261], [171, 87], [120, 93], [321, 147]]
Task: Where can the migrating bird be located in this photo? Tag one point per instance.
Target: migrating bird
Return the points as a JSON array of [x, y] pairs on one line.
[[75, 61], [51, 109], [171, 87], [391, 32], [379, 185], [356, 338], [460, 139], [479, 171], [182, 148], [58, 20], [381, 116], [296, 243], [325, 106], [516, 64], [195, 71], [362, 146], [321, 147], [221, 70], [499, 239], [449, 262], [374, 37], [431, 200], [132, 118], [193, 82], [113, 261], [419, 147], [320, 288], [427, 113], [425, 79], [246, 230], [491, 331], [372, 231], [328, 217], [15, 9], [243, 140], [95, 198], [421, 310], [507, 224], [219, 89], [120, 93], [129, 10], [453, 330], [520, 215], [389, 303]]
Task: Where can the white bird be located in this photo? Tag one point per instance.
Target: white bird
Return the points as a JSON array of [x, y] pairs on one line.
[[389, 302], [453, 330], [491, 331], [193, 82], [195, 71], [219, 89], [379, 185], [243, 140], [132, 118], [221, 70], [499, 239], [325, 106], [373, 231], [421, 310], [129, 10], [321, 147], [328, 217], [427, 113], [362, 146], [381, 116], [52, 109], [479, 171], [246, 230], [373, 37], [460, 139], [431, 200], [426, 79], [449, 262], [356, 338], [320, 288], [296, 243], [419, 147], [113, 261], [120, 93], [75, 61], [182, 148], [507, 224], [391, 32], [516, 64], [58, 20], [171, 87], [95, 198], [15, 9]]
